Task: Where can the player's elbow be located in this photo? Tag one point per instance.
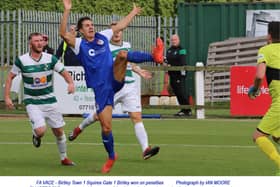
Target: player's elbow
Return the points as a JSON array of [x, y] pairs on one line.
[[62, 34]]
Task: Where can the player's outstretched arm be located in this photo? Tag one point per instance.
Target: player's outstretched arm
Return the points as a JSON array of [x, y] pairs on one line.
[[123, 23], [69, 37], [67, 77]]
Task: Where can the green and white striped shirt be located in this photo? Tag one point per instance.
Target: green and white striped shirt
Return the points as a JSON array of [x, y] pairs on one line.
[[37, 77], [115, 50]]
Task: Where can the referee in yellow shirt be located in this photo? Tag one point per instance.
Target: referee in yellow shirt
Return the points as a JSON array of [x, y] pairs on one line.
[[269, 65]]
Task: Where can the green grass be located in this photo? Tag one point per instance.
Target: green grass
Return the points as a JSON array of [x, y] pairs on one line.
[[189, 147]]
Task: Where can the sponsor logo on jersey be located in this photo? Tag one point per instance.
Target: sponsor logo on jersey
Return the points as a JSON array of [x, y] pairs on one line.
[[93, 52], [39, 81]]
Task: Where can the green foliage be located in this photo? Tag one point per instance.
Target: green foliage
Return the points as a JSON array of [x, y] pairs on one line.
[[170, 11], [105, 7]]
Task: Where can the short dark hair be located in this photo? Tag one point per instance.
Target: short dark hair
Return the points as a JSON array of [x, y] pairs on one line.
[[45, 37], [274, 30], [33, 34], [80, 22]]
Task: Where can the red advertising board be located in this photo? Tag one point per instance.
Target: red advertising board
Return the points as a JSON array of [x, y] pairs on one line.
[[241, 78]]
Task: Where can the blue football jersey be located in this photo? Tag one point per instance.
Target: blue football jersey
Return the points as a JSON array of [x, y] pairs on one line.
[[96, 58]]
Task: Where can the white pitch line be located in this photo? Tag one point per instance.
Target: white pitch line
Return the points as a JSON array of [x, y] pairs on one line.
[[162, 145]]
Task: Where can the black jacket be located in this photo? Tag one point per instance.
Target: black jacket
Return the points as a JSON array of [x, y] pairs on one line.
[[176, 56], [48, 49], [70, 59]]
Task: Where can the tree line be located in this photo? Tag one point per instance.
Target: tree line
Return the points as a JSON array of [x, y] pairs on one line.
[[107, 7]]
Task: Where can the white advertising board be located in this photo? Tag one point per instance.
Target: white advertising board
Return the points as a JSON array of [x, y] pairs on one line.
[[82, 101]]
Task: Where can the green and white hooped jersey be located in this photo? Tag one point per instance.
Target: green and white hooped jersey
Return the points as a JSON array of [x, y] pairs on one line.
[[37, 77], [127, 47]]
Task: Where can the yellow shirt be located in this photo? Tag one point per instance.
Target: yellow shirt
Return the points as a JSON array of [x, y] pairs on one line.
[[270, 54], [270, 124]]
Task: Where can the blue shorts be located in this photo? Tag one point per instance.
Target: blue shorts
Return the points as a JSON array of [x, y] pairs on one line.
[[104, 95], [117, 85]]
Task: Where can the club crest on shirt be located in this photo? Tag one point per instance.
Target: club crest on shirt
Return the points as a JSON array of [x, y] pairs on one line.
[[100, 42], [46, 67]]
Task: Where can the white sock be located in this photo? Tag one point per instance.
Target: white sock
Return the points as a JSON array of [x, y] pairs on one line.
[[61, 144], [88, 121], [141, 135]]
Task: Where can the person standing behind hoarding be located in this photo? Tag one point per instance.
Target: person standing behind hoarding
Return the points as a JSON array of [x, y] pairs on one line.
[[176, 56], [66, 54], [47, 48]]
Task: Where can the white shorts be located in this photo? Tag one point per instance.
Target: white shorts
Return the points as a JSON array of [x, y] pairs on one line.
[[129, 98], [40, 114]]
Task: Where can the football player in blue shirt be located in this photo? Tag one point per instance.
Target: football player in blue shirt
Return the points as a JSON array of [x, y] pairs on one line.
[[104, 75]]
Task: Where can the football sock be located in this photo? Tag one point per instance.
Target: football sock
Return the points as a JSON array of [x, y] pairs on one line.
[[61, 144], [269, 149], [108, 141], [139, 57], [141, 135], [87, 121]]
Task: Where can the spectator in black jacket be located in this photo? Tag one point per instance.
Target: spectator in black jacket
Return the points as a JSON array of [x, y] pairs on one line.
[[176, 56], [47, 48], [66, 54]]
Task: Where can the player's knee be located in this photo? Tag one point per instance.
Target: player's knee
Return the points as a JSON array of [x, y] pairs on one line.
[[106, 128], [40, 131], [136, 118], [58, 132], [40, 134], [255, 136]]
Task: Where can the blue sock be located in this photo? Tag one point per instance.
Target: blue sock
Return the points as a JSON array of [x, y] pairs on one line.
[[108, 141], [139, 56]]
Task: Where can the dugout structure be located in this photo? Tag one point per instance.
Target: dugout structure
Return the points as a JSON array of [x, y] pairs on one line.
[[200, 24], [231, 52]]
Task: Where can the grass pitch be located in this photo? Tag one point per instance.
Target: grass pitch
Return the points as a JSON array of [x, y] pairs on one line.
[[189, 147]]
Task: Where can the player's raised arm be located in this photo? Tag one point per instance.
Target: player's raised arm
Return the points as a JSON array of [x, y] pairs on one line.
[[69, 37], [123, 23]]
